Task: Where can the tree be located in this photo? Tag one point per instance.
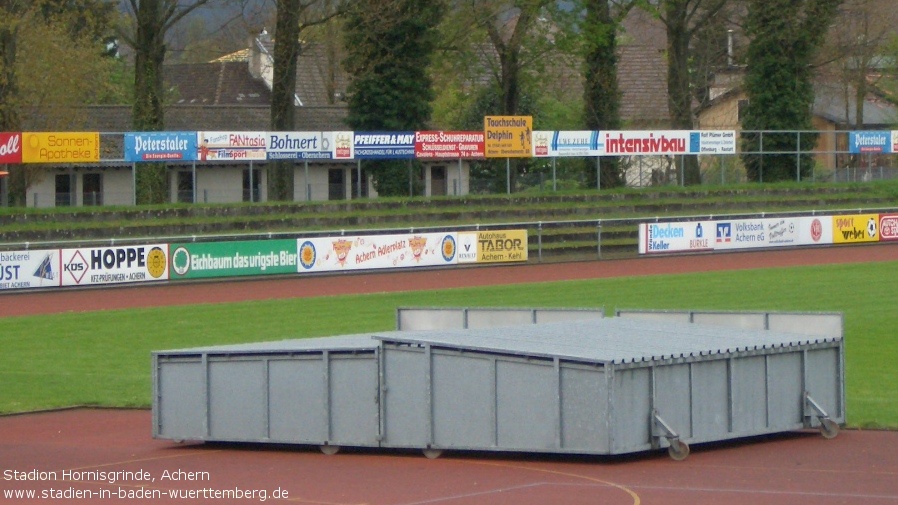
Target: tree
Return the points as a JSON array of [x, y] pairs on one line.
[[785, 35], [602, 96], [152, 21], [293, 17], [389, 45]]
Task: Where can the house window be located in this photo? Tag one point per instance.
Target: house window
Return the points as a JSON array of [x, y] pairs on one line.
[[336, 187], [251, 186], [64, 190], [92, 190], [438, 181], [742, 105], [185, 187]]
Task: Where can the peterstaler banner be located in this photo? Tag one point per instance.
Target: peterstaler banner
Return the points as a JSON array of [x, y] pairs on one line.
[[508, 136], [448, 145], [335, 254], [29, 269], [61, 147], [114, 265], [158, 146], [231, 146], [495, 246], [229, 259]]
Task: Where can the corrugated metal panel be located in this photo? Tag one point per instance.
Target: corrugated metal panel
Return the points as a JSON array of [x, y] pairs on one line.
[[611, 340], [339, 343]]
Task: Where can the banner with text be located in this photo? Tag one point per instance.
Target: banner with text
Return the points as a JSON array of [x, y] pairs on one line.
[[676, 237], [158, 146], [508, 136], [870, 142], [228, 259], [29, 269], [335, 254], [496, 246], [61, 147], [342, 144], [231, 146], [857, 228], [567, 143], [888, 227], [384, 145], [114, 265], [11, 148], [448, 145], [299, 146]]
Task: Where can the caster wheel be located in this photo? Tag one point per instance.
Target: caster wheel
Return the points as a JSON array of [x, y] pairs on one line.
[[330, 450], [828, 428], [432, 453], [678, 451]]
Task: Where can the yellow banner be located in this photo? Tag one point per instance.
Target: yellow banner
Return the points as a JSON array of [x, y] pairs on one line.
[[67, 147], [507, 136], [859, 228], [501, 246]]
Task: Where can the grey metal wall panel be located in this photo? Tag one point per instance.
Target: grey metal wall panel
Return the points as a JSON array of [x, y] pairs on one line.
[[750, 395], [464, 395], [824, 325], [237, 400], [406, 414], [429, 319], [585, 418], [746, 321], [710, 400], [297, 401], [354, 400], [182, 400], [784, 390], [631, 410], [672, 397], [527, 405], [486, 318], [553, 316], [823, 382], [682, 317]]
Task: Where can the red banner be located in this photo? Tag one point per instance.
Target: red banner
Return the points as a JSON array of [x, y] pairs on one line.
[[888, 227], [11, 148], [448, 145]]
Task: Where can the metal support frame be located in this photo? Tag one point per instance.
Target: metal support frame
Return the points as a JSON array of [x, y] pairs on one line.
[[828, 427], [678, 450]]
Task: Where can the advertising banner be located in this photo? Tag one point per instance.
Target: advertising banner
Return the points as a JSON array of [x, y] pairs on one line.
[[29, 269], [114, 265], [448, 145], [751, 233], [713, 142], [870, 142], [299, 146], [857, 228], [888, 227], [158, 146], [230, 259], [657, 238], [335, 254], [341, 144], [894, 141], [508, 136], [499, 246], [231, 146], [649, 142], [567, 143], [815, 230], [68, 147], [384, 145], [10, 148]]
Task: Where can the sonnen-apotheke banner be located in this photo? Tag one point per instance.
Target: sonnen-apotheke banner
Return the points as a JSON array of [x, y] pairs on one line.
[[61, 147], [508, 136]]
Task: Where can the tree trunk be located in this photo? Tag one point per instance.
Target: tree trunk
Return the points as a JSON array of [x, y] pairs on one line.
[[679, 101], [148, 114], [10, 121], [283, 90]]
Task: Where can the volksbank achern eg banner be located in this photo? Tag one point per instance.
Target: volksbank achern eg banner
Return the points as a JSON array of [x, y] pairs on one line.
[[229, 259], [114, 265], [333, 254], [29, 269], [160, 146]]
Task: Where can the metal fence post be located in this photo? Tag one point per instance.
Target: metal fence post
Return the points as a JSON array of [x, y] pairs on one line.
[[599, 238], [798, 157], [539, 241]]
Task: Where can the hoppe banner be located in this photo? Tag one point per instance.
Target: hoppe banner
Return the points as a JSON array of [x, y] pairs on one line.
[[448, 145], [334, 254], [870, 142], [114, 265], [299, 146], [160, 146], [567, 143], [11, 148], [384, 145], [231, 146], [29, 269]]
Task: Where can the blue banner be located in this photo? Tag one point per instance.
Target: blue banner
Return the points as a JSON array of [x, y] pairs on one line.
[[384, 145], [870, 142], [160, 146]]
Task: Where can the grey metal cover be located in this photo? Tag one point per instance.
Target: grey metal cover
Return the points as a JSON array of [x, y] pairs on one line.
[[336, 343]]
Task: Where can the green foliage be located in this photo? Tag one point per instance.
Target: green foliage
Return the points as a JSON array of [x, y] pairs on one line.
[[785, 37]]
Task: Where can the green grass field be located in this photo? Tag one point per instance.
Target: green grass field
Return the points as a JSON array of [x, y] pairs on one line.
[[103, 358]]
